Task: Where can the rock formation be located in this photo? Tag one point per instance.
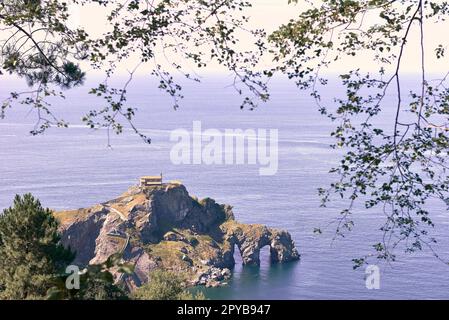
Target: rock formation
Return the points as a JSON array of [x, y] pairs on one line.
[[164, 227]]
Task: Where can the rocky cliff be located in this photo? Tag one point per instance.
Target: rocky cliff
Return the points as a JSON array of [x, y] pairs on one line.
[[164, 227]]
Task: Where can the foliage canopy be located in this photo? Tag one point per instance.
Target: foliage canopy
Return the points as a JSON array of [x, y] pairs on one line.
[[400, 170], [164, 36]]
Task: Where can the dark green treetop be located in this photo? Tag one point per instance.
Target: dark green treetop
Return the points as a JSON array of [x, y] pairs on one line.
[[30, 250]]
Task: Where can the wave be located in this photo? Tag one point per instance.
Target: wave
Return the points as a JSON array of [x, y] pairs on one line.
[[167, 132], [66, 185]]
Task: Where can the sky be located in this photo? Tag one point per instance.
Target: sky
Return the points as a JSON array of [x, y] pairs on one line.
[[270, 14], [266, 14]]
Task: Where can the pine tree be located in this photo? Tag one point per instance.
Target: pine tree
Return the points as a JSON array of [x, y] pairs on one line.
[[30, 250]]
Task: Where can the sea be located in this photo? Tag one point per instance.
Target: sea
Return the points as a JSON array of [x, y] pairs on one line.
[[69, 168]]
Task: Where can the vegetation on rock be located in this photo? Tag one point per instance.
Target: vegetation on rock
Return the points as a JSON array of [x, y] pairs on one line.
[[165, 285]]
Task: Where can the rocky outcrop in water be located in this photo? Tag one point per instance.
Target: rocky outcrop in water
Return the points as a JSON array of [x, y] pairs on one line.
[[164, 227]]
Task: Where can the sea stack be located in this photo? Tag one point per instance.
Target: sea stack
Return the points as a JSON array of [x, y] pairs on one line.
[[159, 225]]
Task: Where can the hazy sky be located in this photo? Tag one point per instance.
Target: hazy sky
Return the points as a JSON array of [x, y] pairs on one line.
[[269, 14]]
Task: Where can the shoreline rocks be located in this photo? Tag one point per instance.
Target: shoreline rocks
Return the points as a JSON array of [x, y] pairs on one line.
[[165, 227]]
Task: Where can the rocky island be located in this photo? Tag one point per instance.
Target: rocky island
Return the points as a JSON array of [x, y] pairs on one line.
[[162, 226]]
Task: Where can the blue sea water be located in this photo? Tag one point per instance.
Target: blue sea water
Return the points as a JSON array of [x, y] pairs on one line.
[[74, 168]]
